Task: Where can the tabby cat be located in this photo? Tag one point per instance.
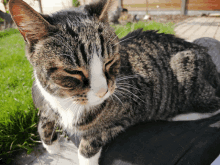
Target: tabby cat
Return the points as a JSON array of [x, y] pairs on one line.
[[90, 83]]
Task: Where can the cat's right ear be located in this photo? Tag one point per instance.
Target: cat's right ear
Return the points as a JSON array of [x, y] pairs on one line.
[[30, 23], [100, 9]]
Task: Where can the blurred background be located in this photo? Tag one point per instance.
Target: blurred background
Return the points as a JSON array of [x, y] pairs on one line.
[[124, 11]]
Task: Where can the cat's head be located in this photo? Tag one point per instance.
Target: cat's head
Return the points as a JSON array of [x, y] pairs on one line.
[[74, 53]]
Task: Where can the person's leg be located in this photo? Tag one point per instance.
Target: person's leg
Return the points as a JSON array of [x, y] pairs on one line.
[[213, 46]]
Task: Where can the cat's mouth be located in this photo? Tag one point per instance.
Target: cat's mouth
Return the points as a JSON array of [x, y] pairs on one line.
[[93, 99]]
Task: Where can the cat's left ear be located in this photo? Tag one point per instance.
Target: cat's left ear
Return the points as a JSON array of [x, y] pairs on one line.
[[30, 23], [100, 9]]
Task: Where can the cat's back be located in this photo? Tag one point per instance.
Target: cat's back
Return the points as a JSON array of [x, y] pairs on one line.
[[157, 42], [150, 52], [170, 70]]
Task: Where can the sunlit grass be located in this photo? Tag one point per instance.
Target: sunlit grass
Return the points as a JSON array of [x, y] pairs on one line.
[[18, 119], [122, 31]]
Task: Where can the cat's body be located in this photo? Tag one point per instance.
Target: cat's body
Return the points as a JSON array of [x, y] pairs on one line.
[[90, 83]]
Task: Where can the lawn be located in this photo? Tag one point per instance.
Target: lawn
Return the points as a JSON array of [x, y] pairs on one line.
[[18, 118], [122, 31]]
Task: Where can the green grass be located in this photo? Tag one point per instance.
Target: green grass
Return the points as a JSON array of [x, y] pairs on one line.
[[18, 117], [18, 120], [8, 32], [122, 31]]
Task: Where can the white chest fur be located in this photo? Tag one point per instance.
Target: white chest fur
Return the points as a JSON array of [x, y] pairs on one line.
[[68, 110]]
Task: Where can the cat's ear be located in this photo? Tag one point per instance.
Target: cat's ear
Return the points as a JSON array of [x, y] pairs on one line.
[[100, 9], [30, 23]]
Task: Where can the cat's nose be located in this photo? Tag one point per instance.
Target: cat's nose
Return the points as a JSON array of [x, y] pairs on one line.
[[101, 93]]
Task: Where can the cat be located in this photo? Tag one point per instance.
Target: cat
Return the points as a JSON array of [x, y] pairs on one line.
[[8, 22], [90, 83]]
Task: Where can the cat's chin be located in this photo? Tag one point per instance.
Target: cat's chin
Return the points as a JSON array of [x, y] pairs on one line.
[[95, 103]]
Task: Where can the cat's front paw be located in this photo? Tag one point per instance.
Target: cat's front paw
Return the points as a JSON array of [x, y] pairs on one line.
[[54, 148], [94, 160]]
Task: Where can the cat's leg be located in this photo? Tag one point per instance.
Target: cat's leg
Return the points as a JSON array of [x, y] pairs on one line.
[[48, 135], [89, 151], [91, 145], [94, 160], [48, 121]]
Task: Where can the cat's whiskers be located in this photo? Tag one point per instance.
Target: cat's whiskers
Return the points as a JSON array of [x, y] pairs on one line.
[[111, 98], [129, 86], [72, 103], [125, 78], [114, 94], [121, 88], [122, 93], [123, 40], [68, 98], [118, 34]]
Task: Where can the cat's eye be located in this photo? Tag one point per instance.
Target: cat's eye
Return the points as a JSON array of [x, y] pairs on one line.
[[69, 78], [74, 72], [69, 82], [109, 62], [112, 66]]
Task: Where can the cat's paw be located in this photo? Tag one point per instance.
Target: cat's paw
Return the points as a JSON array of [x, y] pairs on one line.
[[53, 148], [89, 161]]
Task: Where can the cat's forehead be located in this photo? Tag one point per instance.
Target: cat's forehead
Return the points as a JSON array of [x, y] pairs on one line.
[[75, 47], [93, 29]]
